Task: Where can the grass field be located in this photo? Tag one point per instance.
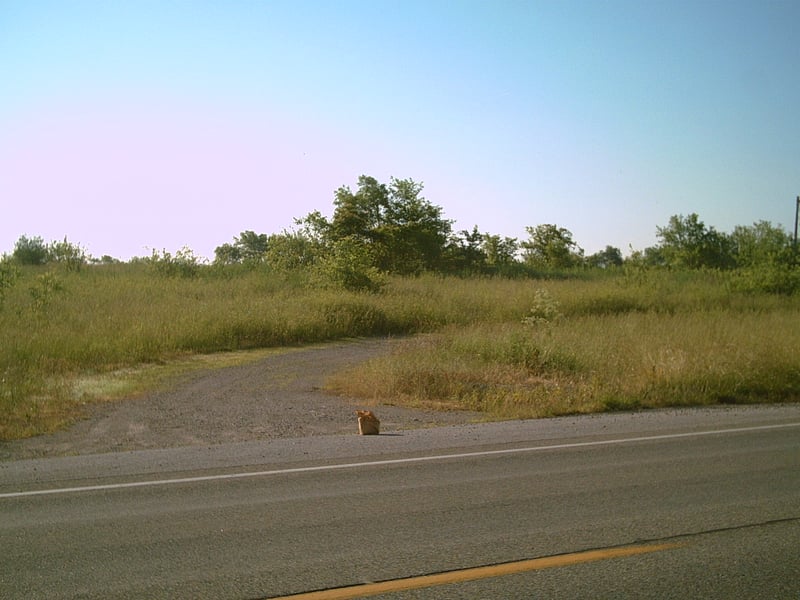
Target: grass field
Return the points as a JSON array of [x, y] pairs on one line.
[[510, 348]]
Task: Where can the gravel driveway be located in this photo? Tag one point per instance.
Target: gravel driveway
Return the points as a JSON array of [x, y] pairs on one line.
[[277, 397]]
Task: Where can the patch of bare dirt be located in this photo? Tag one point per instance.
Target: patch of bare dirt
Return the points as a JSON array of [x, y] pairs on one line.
[[277, 397]]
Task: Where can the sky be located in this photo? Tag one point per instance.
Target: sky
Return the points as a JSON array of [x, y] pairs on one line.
[[137, 126]]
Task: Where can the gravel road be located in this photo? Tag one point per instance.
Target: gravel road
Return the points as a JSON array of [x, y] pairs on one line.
[[278, 397]]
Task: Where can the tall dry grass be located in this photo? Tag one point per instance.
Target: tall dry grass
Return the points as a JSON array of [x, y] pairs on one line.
[[606, 346], [622, 341]]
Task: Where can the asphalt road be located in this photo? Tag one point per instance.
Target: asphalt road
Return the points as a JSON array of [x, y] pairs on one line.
[[706, 501]]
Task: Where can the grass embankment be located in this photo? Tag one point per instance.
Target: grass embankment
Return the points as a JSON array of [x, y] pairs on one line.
[[589, 344]]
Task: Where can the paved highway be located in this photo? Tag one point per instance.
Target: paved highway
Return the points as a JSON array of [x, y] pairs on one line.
[[662, 504]]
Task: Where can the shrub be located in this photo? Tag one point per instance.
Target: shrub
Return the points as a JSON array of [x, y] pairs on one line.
[[183, 263], [9, 273], [349, 265], [30, 251], [545, 309], [70, 255], [772, 279]]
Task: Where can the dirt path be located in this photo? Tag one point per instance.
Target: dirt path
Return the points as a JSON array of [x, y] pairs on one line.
[[277, 397]]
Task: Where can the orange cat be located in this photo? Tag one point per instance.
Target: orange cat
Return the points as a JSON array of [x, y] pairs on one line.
[[368, 423]]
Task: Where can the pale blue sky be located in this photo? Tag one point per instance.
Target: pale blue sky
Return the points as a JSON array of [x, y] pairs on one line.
[[133, 126]]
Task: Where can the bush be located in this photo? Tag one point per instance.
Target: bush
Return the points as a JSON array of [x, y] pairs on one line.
[[545, 309], [70, 255], [350, 266], [183, 264], [9, 274], [772, 279], [30, 251]]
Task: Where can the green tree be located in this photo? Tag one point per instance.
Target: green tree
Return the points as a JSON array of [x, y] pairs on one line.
[[466, 251], [403, 232], [350, 265], [249, 247], [316, 229], [610, 257], [70, 255], [765, 257], [106, 259], [292, 251], [761, 244], [361, 213], [31, 251], [252, 246], [300, 248], [551, 247], [686, 242], [227, 254], [184, 263], [413, 235], [501, 253]]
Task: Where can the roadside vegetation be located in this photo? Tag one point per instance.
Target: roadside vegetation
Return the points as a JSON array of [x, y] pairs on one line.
[[512, 329]]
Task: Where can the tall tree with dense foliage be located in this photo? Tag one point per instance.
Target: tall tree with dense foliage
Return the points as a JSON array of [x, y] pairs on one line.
[[551, 247], [248, 246], [686, 242], [610, 257], [360, 214], [465, 253], [761, 244], [402, 231], [501, 252]]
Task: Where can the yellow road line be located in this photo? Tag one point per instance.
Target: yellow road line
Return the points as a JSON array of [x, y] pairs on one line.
[[534, 564]]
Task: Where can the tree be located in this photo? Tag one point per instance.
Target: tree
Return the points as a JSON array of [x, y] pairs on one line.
[[761, 244], [292, 251], [551, 247], [252, 246], [500, 252], [30, 251], [184, 263], [248, 247], [610, 257], [686, 242], [106, 259], [70, 255], [765, 259], [466, 252], [349, 265], [413, 235], [403, 232], [360, 214], [315, 227], [227, 254]]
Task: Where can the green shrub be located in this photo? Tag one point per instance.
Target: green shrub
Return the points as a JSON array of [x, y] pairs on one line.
[[772, 279], [183, 263]]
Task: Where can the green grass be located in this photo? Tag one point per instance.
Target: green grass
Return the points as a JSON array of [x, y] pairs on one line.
[[613, 341]]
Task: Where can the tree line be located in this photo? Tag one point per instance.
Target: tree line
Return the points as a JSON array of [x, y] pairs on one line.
[[390, 228]]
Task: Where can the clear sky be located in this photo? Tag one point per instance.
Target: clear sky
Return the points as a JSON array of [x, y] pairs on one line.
[[133, 126]]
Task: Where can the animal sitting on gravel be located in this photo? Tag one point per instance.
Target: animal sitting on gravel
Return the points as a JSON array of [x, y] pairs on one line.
[[368, 423]]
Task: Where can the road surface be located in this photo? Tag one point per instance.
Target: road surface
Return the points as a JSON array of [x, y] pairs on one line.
[[661, 504]]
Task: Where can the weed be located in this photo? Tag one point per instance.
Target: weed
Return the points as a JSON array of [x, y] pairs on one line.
[[545, 309]]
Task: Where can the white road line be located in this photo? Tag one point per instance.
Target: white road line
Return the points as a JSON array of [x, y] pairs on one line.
[[396, 461]]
